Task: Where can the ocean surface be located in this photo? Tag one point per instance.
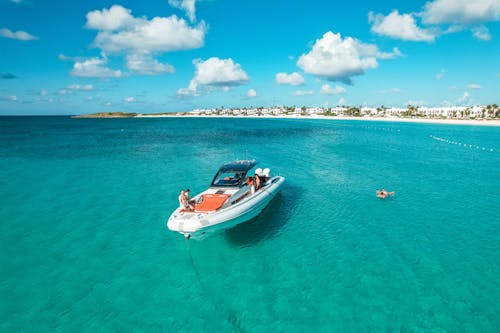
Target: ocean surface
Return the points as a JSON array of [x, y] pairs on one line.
[[84, 245]]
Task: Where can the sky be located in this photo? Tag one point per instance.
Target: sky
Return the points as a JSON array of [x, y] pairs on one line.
[[62, 57]]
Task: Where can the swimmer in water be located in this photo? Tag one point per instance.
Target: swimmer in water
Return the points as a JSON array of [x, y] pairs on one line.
[[382, 194]]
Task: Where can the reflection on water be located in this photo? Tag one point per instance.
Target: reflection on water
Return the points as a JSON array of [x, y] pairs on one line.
[[270, 222]]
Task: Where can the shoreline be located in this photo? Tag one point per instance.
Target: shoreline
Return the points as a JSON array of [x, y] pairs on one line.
[[469, 122]]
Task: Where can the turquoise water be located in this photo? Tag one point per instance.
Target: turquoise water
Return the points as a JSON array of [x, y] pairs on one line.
[[84, 245]]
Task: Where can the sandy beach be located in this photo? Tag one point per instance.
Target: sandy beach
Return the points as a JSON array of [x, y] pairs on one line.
[[468, 122]]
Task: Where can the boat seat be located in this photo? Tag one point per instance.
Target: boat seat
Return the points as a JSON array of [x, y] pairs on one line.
[[210, 203]]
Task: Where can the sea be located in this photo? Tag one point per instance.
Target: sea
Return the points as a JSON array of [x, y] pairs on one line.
[[84, 245]]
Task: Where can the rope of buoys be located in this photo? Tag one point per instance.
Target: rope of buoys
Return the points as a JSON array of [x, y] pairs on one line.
[[385, 129], [461, 144]]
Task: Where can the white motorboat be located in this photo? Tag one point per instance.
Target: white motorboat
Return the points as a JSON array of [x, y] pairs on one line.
[[231, 199]]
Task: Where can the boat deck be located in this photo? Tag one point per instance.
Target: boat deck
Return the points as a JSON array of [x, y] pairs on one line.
[[210, 203]]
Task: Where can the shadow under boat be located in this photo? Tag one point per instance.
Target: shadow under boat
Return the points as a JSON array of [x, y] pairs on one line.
[[269, 223]]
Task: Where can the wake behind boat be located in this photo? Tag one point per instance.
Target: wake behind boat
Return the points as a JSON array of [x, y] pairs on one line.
[[232, 198]]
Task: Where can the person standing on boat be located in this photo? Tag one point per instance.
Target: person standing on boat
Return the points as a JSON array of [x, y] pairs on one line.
[[251, 183], [257, 181]]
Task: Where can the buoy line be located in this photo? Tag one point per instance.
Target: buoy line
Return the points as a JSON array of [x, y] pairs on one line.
[[461, 144], [385, 129]]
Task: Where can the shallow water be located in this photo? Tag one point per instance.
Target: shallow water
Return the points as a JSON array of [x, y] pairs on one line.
[[84, 245]]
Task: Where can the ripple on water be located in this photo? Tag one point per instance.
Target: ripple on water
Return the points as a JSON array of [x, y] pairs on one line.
[[84, 245]]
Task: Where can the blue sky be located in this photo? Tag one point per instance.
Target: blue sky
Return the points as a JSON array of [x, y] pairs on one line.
[[62, 57]]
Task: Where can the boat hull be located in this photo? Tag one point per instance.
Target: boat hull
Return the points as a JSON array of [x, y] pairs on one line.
[[199, 225]]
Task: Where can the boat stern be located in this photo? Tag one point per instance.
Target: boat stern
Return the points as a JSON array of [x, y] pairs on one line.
[[186, 223]]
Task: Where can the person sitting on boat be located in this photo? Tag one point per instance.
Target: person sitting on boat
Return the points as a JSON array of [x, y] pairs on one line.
[[183, 201], [188, 197]]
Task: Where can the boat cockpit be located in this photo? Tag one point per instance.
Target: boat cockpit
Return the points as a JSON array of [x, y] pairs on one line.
[[233, 174]]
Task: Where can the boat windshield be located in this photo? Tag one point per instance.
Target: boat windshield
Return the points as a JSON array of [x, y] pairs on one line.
[[228, 178]]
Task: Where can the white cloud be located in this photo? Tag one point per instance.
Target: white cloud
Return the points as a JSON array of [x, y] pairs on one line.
[[465, 98], [219, 72], [80, 87], [114, 18], [64, 92], [19, 35], [251, 93], [303, 92], [119, 31], [390, 55], [130, 100], [481, 33], [342, 101], [326, 89], [457, 14], [187, 5], [461, 11], [337, 59], [473, 86], [399, 26], [294, 79], [191, 90], [94, 67], [144, 63], [141, 39], [440, 75], [64, 57], [215, 72]]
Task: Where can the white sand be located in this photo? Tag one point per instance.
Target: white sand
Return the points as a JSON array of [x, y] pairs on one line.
[[392, 119]]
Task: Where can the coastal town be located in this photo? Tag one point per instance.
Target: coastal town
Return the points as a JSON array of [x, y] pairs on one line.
[[477, 112], [450, 112]]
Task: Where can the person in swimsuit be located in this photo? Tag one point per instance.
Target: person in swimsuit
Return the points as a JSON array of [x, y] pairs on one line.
[[184, 202], [251, 183], [257, 181], [382, 194], [188, 197]]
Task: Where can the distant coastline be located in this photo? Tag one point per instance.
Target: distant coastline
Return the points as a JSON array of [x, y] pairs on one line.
[[475, 122], [107, 115]]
